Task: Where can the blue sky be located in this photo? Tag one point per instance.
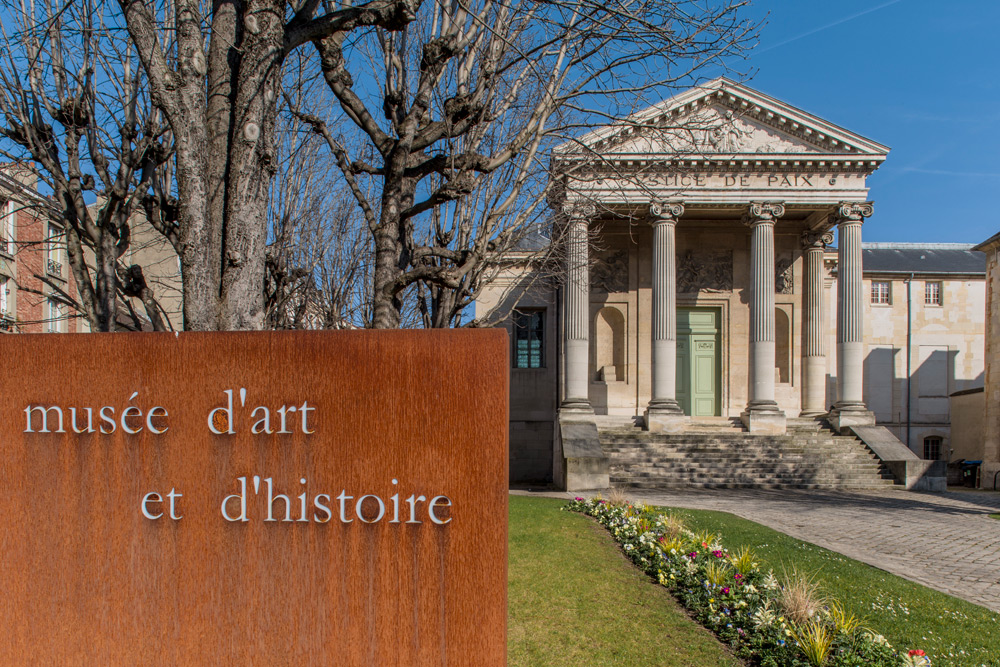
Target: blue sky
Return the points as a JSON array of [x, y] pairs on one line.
[[920, 76]]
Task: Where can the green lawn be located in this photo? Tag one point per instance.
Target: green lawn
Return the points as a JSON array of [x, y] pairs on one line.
[[574, 600], [952, 631]]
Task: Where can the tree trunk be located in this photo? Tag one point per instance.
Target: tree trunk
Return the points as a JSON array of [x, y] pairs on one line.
[[251, 168], [386, 305], [107, 282]]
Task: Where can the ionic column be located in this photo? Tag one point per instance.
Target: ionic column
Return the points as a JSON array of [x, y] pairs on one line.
[[663, 413], [577, 307], [850, 314], [762, 414], [813, 335]]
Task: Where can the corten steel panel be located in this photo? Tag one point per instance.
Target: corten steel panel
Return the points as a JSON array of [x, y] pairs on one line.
[[89, 580]]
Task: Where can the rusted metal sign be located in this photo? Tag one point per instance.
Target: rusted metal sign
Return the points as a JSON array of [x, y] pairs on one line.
[[306, 498]]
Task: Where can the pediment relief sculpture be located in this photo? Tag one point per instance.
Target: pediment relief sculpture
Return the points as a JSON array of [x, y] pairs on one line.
[[713, 130], [705, 271]]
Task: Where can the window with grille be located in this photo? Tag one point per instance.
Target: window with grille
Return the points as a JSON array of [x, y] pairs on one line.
[[529, 338], [932, 294], [53, 249], [932, 448], [881, 294], [7, 227]]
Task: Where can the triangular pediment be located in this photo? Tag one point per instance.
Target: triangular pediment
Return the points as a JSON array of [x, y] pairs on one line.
[[726, 119]]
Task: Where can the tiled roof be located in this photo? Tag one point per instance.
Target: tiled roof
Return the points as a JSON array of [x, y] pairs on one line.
[[924, 258]]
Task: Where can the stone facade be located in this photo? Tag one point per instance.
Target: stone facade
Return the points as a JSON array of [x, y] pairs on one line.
[[706, 291]]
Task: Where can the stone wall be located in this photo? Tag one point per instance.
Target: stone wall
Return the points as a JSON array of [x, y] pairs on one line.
[[991, 420], [967, 409], [533, 391]]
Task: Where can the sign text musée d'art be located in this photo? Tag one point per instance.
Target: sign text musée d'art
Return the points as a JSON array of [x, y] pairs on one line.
[[255, 498]]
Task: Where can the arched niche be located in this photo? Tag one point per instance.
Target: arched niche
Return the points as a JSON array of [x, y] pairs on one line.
[[609, 344], [782, 346]]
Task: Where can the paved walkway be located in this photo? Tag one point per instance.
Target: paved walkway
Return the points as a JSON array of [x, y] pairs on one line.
[[944, 541]]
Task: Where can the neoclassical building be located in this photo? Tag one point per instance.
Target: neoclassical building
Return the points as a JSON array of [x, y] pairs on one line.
[[696, 284]]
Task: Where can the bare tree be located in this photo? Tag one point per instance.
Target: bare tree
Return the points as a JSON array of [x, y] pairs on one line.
[[76, 114], [319, 254], [215, 70], [469, 96]]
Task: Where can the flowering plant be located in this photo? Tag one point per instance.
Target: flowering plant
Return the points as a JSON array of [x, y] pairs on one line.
[[729, 594]]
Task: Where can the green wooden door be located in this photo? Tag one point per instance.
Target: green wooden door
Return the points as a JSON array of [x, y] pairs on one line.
[[698, 361]]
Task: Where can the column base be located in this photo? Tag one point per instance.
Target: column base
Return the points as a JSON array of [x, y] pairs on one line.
[[665, 417], [581, 462], [764, 418], [812, 414], [576, 406], [845, 415]]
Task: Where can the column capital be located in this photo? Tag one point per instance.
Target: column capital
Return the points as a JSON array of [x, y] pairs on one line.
[[577, 211], [763, 211], [667, 211], [848, 211], [816, 240]]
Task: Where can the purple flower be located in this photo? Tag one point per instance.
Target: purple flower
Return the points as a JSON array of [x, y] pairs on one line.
[[725, 590], [693, 555], [738, 576], [579, 499]]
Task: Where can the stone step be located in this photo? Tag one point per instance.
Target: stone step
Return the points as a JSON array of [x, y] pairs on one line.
[[659, 468], [809, 456], [775, 487]]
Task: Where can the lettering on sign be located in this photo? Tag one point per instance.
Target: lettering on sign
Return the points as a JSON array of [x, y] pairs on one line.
[[224, 420]]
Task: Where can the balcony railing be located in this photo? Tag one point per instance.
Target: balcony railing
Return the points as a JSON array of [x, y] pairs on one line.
[[53, 267], [6, 322]]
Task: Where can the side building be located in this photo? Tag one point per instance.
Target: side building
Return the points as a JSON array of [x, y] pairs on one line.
[[924, 335], [37, 291]]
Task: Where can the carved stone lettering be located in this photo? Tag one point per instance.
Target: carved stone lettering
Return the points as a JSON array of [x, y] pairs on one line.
[[705, 271], [610, 272]]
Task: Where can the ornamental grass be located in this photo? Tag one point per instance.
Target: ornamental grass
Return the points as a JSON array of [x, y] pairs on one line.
[[766, 621]]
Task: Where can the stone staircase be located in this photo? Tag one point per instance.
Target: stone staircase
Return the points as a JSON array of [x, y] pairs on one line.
[[721, 454]]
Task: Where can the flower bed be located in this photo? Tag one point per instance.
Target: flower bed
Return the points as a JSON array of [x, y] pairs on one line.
[[768, 622]]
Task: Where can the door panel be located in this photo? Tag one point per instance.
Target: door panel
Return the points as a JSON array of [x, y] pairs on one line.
[[698, 361], [704, 371]]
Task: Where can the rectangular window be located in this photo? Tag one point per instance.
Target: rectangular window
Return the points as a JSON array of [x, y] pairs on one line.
[[56, 316], [529, 338], [881, 294], [4, 296], [932, 294], [7, 227], [53, 245], [932, 448]]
